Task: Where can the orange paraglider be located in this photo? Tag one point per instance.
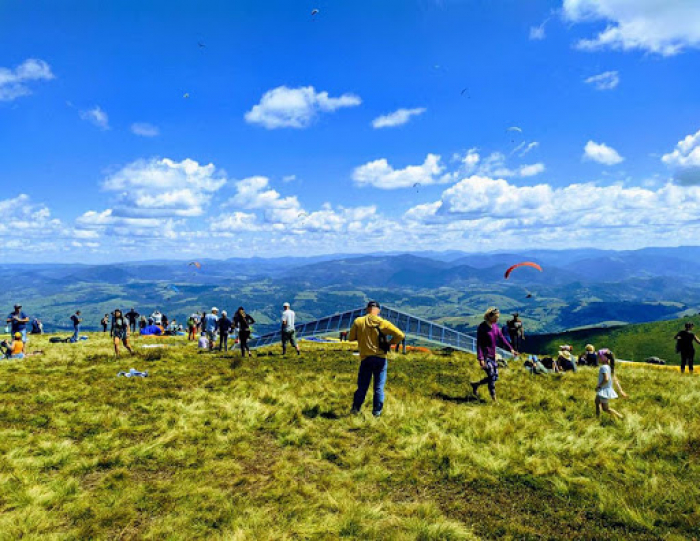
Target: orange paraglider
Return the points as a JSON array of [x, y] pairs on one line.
[[196, 264], [524, 264]]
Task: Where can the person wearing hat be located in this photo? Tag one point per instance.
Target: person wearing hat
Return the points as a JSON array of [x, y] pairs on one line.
[[288, 329], [591, 359], [370, 331], [211, 324], [566, 359], [488, 337], [18, 322], [15, 350], [685, 345]]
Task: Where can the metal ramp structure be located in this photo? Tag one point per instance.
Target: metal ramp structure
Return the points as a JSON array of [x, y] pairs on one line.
[[414, 327]]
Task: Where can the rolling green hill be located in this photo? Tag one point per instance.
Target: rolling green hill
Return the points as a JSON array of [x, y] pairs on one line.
[[632, 342], [209, 447]]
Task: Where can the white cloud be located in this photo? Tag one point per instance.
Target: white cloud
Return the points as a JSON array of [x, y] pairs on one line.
[[284, 107], [601, 153], [495, 164], [13, 83], [531, 170], [537, 33], [524, 148], [604, 81], [380, 174], [397, 118], [686, 153], [22, 218], [144, 129], [162, 188], [289, 178], [235, 222], [97, 117], [664, 27]]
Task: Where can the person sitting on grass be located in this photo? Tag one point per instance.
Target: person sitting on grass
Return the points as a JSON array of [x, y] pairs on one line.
[[203, 342], [15, 349], [120, 332], [488, 335], [565, 359], [535, 366], [604, 389], [591, 357]]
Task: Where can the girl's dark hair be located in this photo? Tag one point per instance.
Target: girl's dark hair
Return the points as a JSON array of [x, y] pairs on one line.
[[240, 308], [611, 358]]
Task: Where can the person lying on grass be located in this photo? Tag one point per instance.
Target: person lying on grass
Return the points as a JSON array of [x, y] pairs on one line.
[[604, 389]]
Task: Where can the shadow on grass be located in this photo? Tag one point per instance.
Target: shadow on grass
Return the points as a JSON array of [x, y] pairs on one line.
[[468, 399], [312, 413]]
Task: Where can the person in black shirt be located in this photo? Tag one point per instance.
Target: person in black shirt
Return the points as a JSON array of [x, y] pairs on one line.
[[120, 332], [76, 319], [132, 316], [685, 345], [242, 322], [104, 322], [224, 329]]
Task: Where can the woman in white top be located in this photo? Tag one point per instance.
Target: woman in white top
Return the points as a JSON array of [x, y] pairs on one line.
[[604, 389]]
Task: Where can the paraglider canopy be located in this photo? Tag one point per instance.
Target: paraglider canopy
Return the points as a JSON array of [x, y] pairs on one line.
[[196, 264], [515, 128], [523, 264], [314, 12]]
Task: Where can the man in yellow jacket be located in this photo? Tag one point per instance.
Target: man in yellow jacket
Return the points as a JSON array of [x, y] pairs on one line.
[[366, 331]]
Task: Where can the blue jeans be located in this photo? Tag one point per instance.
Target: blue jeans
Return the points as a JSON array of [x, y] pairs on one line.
[[76, 332], [371, 367]]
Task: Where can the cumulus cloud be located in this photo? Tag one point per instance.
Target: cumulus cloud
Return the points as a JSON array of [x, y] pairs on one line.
[[284, 107], [487, 210], [601, 153], [97, 117], [23, 217], [13, 82], [686, 153], [163, 188], [604, 81], [665, 27], [397, 118], [144, 129], [531, 170], [380, 174], [685, 160]]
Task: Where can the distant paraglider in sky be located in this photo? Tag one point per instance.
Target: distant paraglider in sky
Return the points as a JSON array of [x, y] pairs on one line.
[[315, 12], [201, 44], [196, 264], [186, 95], [523, 264], [515, 128], [417, 186]]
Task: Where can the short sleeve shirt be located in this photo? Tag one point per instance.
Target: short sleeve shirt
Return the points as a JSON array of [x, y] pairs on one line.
[[288, 317], [18, 327]]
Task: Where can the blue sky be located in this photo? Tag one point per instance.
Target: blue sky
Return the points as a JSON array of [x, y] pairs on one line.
[[134, 130]]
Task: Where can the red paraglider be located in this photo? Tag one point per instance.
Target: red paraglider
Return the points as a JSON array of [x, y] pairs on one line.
[[524, 264]]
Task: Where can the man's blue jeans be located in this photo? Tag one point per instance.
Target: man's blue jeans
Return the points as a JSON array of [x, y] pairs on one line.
[[76, 332], [371, 367]]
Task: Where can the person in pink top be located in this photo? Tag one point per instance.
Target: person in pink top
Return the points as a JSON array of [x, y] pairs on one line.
[[488, 338]]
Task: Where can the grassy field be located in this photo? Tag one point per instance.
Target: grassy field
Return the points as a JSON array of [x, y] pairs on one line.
[[632, 342], [209, 447]]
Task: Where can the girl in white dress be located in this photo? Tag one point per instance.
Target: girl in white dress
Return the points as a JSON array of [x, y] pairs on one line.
[[604, 390]]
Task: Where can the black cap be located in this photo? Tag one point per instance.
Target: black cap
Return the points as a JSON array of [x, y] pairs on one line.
[[373, 304]]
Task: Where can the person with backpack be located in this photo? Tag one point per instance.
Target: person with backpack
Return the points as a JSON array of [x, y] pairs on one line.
[[77, 320], [191, 327], [211, 325], [488, 336], [18, 322], [370, 331], [516, 332], [288, 329], [242, 322], [104, 322], [120, 332], [685, 345]]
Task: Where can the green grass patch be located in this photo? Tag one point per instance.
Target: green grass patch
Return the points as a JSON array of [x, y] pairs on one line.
[[214, 447]]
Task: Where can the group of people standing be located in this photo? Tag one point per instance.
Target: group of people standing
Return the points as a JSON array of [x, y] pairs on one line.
[[211, 325]]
